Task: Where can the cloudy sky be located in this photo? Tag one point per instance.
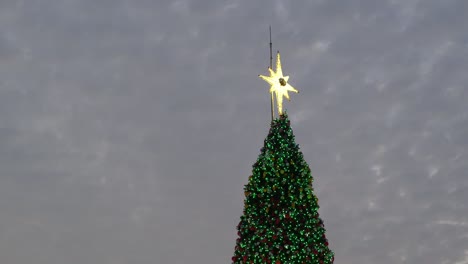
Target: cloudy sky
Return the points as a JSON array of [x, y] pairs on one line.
[[128, 128]]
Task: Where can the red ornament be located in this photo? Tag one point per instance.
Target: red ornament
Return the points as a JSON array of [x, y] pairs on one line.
[[244, 258], [278, 262]]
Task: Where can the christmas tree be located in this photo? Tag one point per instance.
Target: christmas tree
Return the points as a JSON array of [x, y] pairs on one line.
[[281, 223]]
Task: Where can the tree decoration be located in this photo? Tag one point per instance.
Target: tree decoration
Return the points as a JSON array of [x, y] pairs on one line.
[[279, 84]]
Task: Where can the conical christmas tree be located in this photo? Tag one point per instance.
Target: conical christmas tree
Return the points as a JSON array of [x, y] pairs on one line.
[[281, 223]]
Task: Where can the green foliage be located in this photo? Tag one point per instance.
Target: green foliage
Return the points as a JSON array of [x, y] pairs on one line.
[[281, 223]]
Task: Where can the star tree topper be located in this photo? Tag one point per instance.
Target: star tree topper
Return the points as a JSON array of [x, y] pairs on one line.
[[279, 84]]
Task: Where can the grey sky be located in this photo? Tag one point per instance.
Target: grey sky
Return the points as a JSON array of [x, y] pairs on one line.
[[128, 128]]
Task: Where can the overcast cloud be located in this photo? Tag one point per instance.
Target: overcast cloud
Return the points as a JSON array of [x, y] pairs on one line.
[[128, 128]]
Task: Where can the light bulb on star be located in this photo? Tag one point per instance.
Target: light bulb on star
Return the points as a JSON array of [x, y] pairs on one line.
[[279, 84]]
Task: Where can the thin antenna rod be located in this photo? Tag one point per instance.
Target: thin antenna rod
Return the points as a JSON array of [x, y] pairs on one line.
[[271, 54], [271, 67]]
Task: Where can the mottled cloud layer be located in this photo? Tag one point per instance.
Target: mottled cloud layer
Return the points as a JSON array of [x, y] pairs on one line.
[[128, 128]]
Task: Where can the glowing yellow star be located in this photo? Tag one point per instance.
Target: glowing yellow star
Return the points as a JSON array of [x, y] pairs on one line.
[[279, 84]]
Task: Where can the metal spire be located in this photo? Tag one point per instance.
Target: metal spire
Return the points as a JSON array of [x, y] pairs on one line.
[[271, 67]]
